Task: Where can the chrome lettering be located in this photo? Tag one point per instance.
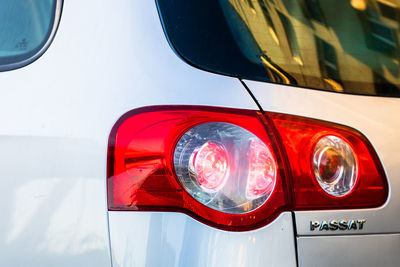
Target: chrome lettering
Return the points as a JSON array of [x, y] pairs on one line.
[[361, 223], [343, 224], [324, 226], [314, 224], [333, 225], [352, 225]]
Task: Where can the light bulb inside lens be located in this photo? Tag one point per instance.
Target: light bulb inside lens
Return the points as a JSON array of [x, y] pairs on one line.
[[335, 166], [210, 165]]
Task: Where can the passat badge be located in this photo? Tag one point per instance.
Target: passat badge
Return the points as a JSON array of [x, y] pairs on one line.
[[334, 225]]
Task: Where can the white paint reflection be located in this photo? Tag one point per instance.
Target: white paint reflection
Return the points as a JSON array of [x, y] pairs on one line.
[[74, 228], [29, 198], [71, 226], [174, 239]]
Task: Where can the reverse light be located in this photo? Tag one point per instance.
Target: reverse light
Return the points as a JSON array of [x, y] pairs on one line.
[[335, 166], [238, 169]]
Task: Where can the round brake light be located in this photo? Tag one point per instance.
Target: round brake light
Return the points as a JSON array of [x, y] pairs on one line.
[[225, 167], [262, 170], [210, 165]]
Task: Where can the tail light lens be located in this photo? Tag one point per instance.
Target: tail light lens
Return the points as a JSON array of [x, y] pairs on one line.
[[335, 166], [220, 166], [238, 169], [225, 167], [358, 181]]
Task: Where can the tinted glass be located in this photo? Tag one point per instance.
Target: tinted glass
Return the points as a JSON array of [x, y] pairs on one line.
[[25, 26], [349, 46]]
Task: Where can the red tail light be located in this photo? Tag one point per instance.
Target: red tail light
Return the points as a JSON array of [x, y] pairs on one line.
[[301, 136], [238, 169]]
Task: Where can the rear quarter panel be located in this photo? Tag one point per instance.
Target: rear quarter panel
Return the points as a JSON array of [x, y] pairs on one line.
[[375, 117], [107, 58]]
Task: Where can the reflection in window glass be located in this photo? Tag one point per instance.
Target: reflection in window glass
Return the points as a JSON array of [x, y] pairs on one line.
[[388, 10], [381, 38], [291, 38], [25, 26], [349, 46], [268, 20], [314, 10], [327, 59]]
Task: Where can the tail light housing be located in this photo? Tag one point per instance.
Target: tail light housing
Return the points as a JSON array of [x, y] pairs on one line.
[[301, 137], [238, 169]]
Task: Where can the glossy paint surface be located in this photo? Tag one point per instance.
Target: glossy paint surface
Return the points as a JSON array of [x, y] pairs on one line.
[[362, 250], [107, 58], [375, 117], [173, 239], [56, 114]]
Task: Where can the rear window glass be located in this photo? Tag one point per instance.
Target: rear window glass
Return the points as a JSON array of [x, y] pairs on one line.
[[348, 46], [25, 29]]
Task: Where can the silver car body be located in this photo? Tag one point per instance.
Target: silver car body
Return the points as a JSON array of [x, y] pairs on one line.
[[109, 57]]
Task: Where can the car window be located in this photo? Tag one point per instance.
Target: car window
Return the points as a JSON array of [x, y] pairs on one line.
[[25, 29], [347, 46]]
